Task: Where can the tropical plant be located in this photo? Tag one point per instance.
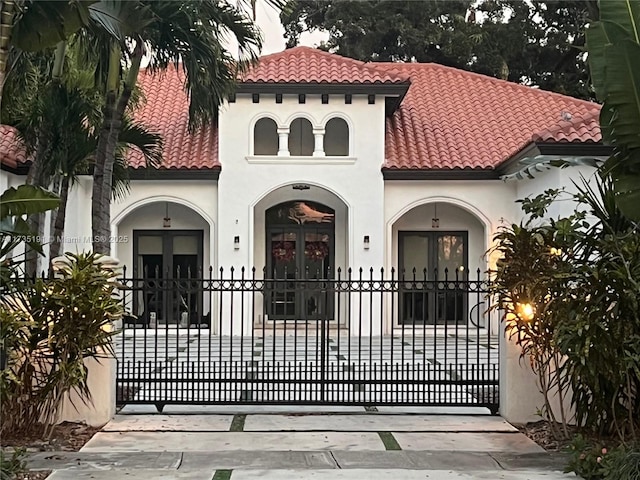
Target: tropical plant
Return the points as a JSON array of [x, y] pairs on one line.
[[613, 45], [13, 464], [47, 338], [185, 35], [14, 230], [34, 25], [530, 277], [600, 332]]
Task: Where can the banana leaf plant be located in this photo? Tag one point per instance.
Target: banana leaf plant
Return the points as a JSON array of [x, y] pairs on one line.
[[613, 46]]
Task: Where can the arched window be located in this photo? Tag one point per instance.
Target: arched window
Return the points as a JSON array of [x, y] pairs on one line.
[[301, 137], [336, 137], [265, 137]]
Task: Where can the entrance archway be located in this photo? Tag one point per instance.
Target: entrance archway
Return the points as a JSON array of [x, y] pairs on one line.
[[300, 245]]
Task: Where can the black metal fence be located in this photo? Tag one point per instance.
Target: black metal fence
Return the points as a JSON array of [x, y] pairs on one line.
[[359, 338]]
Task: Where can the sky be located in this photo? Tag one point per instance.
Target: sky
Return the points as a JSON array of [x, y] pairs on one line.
[[268, 19]]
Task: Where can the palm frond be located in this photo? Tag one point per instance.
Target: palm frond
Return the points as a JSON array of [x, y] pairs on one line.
[[135, 135]]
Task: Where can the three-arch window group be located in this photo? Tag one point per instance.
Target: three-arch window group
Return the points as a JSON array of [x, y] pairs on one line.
[[301, 139]]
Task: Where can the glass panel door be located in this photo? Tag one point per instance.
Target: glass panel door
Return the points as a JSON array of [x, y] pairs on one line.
[[168, 262], [451, 261], [430, 263], [283, 248], [414, 269], [300, 237]]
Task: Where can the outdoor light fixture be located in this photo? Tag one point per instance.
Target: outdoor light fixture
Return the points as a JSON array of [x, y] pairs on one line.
[[435, 221], [366, 242], [166, 221], [526, 311], [236, 242]]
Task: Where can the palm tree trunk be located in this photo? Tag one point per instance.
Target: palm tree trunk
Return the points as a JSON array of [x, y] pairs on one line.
[[7, 12], [102, 243], [61, 215], [100, 213]]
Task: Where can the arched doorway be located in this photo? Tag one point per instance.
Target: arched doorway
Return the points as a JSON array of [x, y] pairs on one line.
[[300, 245], [164, 258]]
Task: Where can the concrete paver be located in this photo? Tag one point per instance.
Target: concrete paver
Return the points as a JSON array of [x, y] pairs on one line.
[[467, 442], [304, 445], [393, 474], [189, 423], [377, 423], [129, 475], [105, 460], [258, 459], [224, 441]]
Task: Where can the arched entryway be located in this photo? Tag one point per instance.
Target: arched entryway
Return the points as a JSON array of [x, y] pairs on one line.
[[166, 251], [300, 237]]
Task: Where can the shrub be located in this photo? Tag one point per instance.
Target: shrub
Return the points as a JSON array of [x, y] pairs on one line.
[[49, 327], [10, 466]]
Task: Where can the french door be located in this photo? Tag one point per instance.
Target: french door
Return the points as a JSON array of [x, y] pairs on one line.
[[166, 260], [430, 264], [300, 256]]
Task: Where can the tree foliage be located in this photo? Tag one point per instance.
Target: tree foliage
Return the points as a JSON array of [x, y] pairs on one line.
[[537, 43]]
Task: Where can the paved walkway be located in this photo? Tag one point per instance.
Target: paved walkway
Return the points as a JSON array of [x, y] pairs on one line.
[[340, 443]]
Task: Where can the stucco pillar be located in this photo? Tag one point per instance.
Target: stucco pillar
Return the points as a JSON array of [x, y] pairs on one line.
[[520, 397], [283, 142], [101, 380], [318, 149]]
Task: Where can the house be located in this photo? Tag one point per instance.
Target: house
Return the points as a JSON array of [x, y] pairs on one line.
[[320, 163]]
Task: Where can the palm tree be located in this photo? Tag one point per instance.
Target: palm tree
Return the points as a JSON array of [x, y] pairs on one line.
[[35, 25], [182, 34]]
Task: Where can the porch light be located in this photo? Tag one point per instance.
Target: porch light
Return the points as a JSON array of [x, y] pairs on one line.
[[166, 221], [526, 311], [236, 242], [435, 221], [366, 242]]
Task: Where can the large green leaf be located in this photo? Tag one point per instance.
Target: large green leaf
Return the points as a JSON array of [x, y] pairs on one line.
[[45, 23], [625, 13], [622, 72], [26, 199], [598, 37], [627, 188]]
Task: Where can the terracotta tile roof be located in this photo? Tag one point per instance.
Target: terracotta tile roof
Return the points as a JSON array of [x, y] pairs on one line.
[[12, 151], [166, 111], [575, 129], [452, 119], [312, 66]]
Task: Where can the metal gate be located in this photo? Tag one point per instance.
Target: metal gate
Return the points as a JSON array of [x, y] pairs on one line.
[[371, 338]]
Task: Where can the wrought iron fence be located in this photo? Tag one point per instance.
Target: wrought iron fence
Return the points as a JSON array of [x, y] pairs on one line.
[[359, 337]]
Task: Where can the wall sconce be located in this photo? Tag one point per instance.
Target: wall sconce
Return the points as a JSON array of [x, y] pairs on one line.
[[366, 242], [166, 221], [236, 242], [435, 221]]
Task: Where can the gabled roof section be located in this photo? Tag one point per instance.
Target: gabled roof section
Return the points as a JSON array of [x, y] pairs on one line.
[[305, 65], [572, 129], [165, 110], [456, 120], [13, 154]]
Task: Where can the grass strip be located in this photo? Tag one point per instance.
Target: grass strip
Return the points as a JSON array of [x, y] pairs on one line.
[[390, 443], [237, 425], [222, 475]]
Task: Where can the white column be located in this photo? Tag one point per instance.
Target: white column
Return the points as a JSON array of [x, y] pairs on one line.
[[318, 149], [283, 142]]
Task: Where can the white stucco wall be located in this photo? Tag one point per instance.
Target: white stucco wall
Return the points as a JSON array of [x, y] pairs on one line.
[[355, 180], [192, 206], [555, 178], [481, 205]]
